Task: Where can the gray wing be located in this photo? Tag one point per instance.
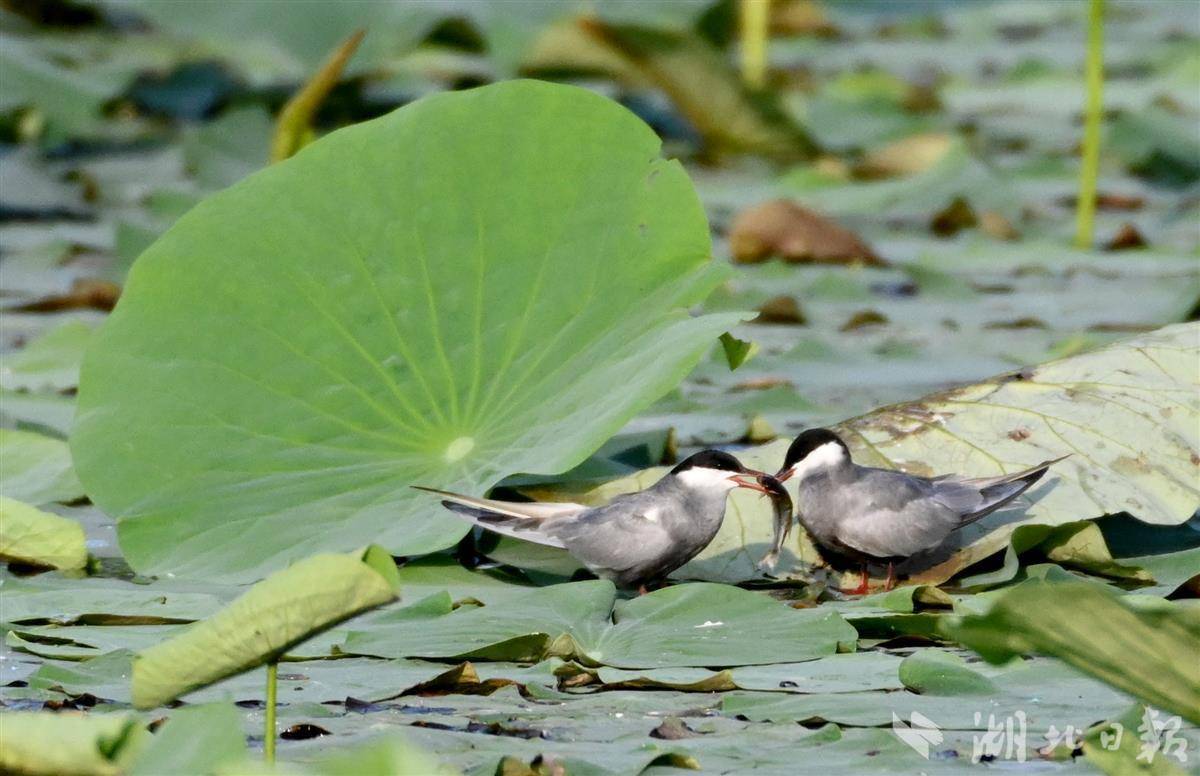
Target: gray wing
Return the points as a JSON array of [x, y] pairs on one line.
[[978, 497], [894, 514], [898, 514], [623, 534]]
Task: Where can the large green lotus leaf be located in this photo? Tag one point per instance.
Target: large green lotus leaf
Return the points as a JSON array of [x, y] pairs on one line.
[[84, 642], [281, 611], [45, 412], [918, 196], [544, 620], [99, 601], [715, 625], [70, 99], [1080, 544], [1147, 652], [849, 672], [315, 681], [36, 743], [29, 535], [50, 362], [591, 735], [487, 754], [613, 739], [415, 299], [835, 673], [684, 625], [194, 739], [391, 756], [1170, 570], [253, 29], [1048, 692], [104, 676], [423, 577], [1170, 554], [934, 672], [37, 469], [1128, 415]]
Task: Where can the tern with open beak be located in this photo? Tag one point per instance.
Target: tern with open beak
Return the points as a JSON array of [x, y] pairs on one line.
[[635, 539], [861, 514]]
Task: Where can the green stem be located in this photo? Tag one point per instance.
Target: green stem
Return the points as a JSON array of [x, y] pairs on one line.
[[1085, 215], [269, 727], [755, 18]]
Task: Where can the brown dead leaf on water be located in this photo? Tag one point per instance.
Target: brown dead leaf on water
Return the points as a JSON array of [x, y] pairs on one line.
[[781, 309], [864, 318], [906, 156], [1127, 238], [953, 218], [802, 17], [673, 729], [783, 229], [85, 293], [1107, 201], [760, 384], [995, 225]]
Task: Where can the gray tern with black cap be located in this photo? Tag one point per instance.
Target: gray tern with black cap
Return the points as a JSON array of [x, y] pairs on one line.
[[635, 539]]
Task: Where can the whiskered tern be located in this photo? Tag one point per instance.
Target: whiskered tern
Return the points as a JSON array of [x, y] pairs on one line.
[[635, 539], [861, 514]]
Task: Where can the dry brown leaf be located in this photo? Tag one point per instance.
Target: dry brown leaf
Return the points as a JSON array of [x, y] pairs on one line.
[[864, 318], [759, 384], [1127, 238], [906, 156], [802, 17], [781, 309], [784, 229], [85, 293], [1108, 201], [953, 218], [995, 225]]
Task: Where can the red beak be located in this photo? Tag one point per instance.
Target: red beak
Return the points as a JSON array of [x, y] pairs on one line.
[[750, 481]]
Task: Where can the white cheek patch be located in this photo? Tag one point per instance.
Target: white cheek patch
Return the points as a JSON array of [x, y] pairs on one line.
[[825, 456], [702, 478]]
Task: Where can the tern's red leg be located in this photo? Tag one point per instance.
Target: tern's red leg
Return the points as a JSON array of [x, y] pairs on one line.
[[863, 585], [891, 577]]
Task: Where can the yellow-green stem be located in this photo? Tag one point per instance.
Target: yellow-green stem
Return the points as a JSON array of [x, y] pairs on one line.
[[1085, 214], [269, 726], [755, 15], [293, 128]]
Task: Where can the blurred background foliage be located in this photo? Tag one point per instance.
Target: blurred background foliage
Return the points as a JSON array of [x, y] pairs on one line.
[[926, 154]]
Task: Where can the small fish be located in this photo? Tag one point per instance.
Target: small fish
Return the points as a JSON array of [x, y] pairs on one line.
[[781, 503]]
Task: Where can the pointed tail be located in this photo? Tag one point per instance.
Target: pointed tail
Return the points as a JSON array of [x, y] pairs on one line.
[[519, 520], [998, 491]]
